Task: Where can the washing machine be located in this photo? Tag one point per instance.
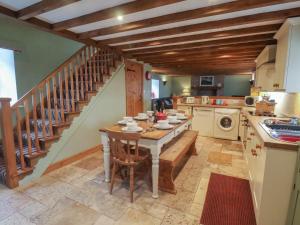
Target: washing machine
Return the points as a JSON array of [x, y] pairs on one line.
[[226, 125]]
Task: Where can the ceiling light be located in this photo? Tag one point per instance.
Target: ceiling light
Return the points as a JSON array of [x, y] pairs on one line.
[[120, 18]]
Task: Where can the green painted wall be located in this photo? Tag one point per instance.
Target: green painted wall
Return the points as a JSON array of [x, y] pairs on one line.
[[174, 84], [164, 90], [41, 52], [179, 83], [237, 85]]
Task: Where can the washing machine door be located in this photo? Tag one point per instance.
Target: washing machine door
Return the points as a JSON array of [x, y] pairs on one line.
[[226, 122]]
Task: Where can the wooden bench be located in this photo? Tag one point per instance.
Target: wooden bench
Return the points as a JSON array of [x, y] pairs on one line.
[[173, 157]]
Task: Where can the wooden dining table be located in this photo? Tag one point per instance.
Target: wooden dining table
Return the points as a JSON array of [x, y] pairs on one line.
[[151, 138]]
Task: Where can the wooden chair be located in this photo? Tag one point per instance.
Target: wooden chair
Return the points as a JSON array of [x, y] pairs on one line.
[[127, 153]]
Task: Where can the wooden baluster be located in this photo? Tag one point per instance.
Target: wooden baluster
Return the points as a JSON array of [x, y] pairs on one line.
[[49, 107], [55, 100], [90, 69], [67, 101], [77, 83], [9, 152], [85, 71], [27, 126], [20, 140], [72, 86], [42, 102], [61, 96], [81, 78], [94, 64], [98, 66], [106, 62], [35, 123]]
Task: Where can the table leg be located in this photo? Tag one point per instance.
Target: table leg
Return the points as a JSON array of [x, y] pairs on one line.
[[106, 157], [155, 170]]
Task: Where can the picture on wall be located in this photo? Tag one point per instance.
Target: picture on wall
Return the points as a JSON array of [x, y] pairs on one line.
[[207, 81]]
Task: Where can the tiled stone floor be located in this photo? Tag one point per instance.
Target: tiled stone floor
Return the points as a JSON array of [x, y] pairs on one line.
[[77, 194]]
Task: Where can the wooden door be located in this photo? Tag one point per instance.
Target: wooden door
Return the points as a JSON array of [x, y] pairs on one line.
[[134, 88]]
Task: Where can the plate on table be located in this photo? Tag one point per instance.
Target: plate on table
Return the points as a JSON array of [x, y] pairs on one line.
[[175, 122], [138, 129], [182, 118], [140, 118], [122, 122], [163, 128]]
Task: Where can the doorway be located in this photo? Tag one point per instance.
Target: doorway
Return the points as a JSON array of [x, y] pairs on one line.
[[134, 87]]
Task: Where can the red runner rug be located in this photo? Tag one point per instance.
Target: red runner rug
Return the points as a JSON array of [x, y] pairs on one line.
[[228, 202]]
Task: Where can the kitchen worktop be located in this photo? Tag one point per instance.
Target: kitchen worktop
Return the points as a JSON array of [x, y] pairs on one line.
[[211, 106], [264, 136]]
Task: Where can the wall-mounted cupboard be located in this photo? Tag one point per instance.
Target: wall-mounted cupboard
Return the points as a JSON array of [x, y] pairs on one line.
[[278, 66], [287, 64]]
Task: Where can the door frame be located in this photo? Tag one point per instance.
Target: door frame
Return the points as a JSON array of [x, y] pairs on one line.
[[127, 61]]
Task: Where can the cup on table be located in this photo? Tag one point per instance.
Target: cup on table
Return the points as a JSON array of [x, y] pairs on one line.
[[172, 119], [142, 115], [127, 119], [179, 115], [150, 113], [132, 126], [172, 111], [163, 123]]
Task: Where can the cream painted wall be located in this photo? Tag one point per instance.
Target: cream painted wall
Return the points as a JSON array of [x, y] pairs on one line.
[[104, 109], [288, 104]]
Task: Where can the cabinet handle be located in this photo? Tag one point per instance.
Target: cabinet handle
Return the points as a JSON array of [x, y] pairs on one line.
[[253, 151], [252, 134], [249, 139], [258, 146]]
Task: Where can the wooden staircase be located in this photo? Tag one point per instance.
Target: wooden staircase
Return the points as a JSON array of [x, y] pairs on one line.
[[37, 120]]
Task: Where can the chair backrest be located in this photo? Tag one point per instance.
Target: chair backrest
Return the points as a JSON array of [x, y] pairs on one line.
[[124, 146]]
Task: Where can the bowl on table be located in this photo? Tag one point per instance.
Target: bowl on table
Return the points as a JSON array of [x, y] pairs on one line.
[[173, 119], [163, 124]]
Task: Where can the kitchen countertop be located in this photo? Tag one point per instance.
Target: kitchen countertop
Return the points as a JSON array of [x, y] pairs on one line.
[[212, 106], [264, 136]]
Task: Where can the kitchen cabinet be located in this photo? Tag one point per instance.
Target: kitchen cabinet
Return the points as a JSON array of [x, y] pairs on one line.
[[185, 108], [287, 64], [271, 177], [203, 120], [265, 68], [264, 76]]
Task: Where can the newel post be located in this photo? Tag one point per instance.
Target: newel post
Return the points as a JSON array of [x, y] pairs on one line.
[[9, 152]]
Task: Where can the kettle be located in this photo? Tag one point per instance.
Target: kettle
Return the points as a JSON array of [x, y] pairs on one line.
[[204, 100]]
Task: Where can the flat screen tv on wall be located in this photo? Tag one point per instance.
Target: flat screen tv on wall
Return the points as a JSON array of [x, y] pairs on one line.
[[207, 81]]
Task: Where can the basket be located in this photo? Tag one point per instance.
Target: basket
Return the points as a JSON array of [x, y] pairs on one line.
[[265, 107]]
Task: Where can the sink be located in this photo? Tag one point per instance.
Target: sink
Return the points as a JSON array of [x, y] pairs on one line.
[[282, 129]]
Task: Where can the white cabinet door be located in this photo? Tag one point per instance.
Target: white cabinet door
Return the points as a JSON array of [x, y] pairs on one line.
[[187, 109], [203, 120]]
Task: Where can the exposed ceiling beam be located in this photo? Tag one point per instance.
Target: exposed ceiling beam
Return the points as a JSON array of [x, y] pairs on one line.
[[112, 12], [42, 7], [214, 35], [228, 47], [185, 15], [206, 63], [241, 69], [278, 16], [247, 39], [207, 58], [200, 53]]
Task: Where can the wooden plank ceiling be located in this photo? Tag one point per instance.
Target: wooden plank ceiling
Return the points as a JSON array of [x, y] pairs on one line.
[[174, 36]]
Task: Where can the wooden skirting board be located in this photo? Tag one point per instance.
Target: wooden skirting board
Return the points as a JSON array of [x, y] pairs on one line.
[[73, 158]]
